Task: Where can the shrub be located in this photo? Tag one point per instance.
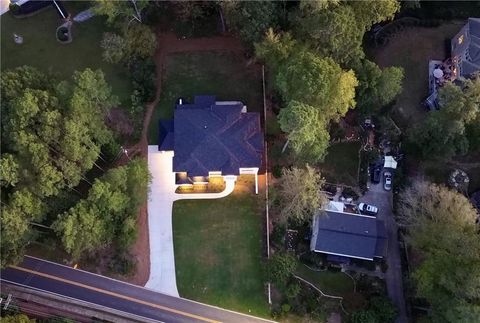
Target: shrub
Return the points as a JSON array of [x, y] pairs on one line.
[[280, 268], [349, 192], [277, 171]]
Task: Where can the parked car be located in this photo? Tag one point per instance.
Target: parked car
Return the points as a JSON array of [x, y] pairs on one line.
[[375, 175], [387, 181], [367, 209]]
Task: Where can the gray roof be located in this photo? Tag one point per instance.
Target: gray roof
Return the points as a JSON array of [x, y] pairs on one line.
[[468, 50], [351, 235], [209, 136]]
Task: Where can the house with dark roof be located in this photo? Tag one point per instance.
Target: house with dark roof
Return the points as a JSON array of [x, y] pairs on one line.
[[463, 63], [212, 138], [349, 235], [465, 49]]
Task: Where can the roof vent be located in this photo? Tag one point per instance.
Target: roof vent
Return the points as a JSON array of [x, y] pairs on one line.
[[205, 127]]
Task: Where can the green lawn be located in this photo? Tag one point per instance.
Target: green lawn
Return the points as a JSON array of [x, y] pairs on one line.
[[41, 49], [222, 74], [332, 283], [218, 252], [341, 163]]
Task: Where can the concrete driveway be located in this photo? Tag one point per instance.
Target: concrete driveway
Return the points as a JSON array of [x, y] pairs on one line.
[[377, 196], [160, 204]]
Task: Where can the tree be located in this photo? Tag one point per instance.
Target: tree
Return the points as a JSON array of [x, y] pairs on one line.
[[368, 13], [424, 202], [383, 308], [307, 132], [316, 5], [252, 19], [318, 82], [81, 229], [15, 220], [18, 318], [377, 87], [441, 227], [334, 32], [121, 11], [114, 47], [140, 40], [301, 195], [275, 48], [280, 267], [438, 137], [9, 170], [108, 215]]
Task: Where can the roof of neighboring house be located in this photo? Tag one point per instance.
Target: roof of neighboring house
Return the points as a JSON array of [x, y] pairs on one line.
[[350, 235], [475, 199], [213, 136], [466, 47]]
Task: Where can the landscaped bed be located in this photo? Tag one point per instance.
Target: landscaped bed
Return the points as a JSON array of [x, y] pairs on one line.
[[223, 74], [218, 250], [41, 49]]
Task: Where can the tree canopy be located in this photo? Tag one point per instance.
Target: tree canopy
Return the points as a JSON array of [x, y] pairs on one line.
[[377, 87], [52, 135], [307, 132], [441, 227], [301, 193], [121, 12], [108, 215], [448, 132]]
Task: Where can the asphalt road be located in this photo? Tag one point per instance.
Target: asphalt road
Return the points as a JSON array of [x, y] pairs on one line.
[[111, 293], [382, 199]]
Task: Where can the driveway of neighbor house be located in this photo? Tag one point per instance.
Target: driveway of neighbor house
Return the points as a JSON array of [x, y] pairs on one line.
[[377, 196], [160, 204]]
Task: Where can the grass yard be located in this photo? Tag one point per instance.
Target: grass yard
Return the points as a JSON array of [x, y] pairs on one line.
[[41, 49], [341, 163], [332, 283], [222, 74], [218, 251], [412, 49]]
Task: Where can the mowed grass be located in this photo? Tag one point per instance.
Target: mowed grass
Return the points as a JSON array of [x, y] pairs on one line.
[[223, 74], [218, 252], [41, 49], [332, 283], [341, 163], [412, 49]]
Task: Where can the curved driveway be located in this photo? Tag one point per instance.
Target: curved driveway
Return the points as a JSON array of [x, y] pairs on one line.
[[160, 204]]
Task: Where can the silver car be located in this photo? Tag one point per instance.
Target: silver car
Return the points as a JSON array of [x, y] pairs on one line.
[[387, 181]]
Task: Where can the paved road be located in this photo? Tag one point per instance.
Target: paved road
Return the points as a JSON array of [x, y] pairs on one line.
[[88, 287], [377, 196], [160, 204]]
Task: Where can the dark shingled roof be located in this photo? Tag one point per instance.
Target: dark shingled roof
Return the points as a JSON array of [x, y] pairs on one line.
[[350, 235], [468, 50], [208, 136]]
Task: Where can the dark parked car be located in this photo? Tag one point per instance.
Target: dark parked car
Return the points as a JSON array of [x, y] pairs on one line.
[[375, 175], [367, 209]]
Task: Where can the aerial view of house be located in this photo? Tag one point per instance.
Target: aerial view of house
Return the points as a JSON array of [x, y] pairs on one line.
[[240, 161], [212, 138]]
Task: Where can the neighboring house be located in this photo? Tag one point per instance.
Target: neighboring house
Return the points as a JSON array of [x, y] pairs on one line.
[[475, 199], [348, 235], [463, 63], [212, 138], [465, 49]]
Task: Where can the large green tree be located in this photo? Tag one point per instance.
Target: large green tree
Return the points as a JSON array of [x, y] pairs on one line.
[[308, 136], [108, 215], [52, 133], [121, 12], [448, 132], [301, 193], [377, 87], [251, 19], [441, 227]]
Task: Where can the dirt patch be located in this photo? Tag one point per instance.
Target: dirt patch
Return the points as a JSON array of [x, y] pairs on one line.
[[141, 250], [118, 120]]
